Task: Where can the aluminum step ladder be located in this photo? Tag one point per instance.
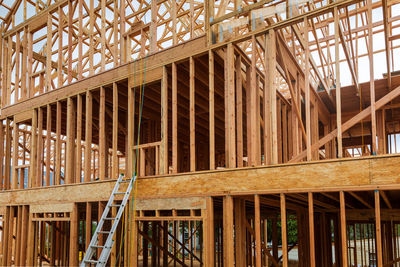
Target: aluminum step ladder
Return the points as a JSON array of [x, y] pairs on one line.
[[106, 248]]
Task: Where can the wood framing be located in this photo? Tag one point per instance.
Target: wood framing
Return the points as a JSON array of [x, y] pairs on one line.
[[241, 122]]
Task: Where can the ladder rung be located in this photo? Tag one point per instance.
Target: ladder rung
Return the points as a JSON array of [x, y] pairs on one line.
[[97, 246], [112, 205], [110, 218], [125, 181], [91, 261], [104, 232], [119, 193]]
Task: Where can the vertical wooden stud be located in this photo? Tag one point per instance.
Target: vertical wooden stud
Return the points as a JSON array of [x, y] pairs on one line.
[[338, 88], [14, 174], [164, 123], [257, 226], [102, 134], [78, 156], [307, 90], [48, 144], [211, 109], [192, 115], [88, 135], [228, 231], [115, 164], [284, 231], [69, 167], [230, 135], [58, 144], [73, 236], [378, 229], [174, 117], [343, 231], [311, 230]]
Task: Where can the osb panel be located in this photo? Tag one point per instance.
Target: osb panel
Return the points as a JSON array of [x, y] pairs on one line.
[[330, 175], [51, 207]]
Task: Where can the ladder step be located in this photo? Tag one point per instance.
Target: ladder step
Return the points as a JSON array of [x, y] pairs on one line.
[[125, 181], [110, 218], [91, 261], [112, 205], [119, 193], [104, 232], [97, 246]]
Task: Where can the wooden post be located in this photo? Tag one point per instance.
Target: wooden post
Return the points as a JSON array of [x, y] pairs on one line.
[[73, 235], [100, 211], [115, 164], [17, 59], [378, 229], [314, 129], [39, 168], [88, 136], [18, 221], [49, 47], [153, 27], [88, 229], [30, 63], [338, 88], [69, 168], [371, 82], [57, 180], [174, 118], [33, 164], [209, 242], [103, 34], [343, 229], [192, 115], [24, 63], [48, 144], [4, 236], [307, 90], [14, 174], [239, 111], [10, 236], [164, 123], [257, 226], [114, 251], [70, 31], [9, 69], [4, 74], [30, 241], [240, 232], [122, 23], [311, 226], [80, 38], [284, 231], [131, 133], [211, 108], [60, 78], [285, 133], [92, 18], [102, 134], [270, 114], [135, 252], [253, 126], [78, 156], [266, 259], [228, 231], [230, 137]]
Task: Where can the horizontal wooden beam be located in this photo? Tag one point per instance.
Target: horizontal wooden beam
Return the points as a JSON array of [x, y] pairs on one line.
[[368, 173]]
